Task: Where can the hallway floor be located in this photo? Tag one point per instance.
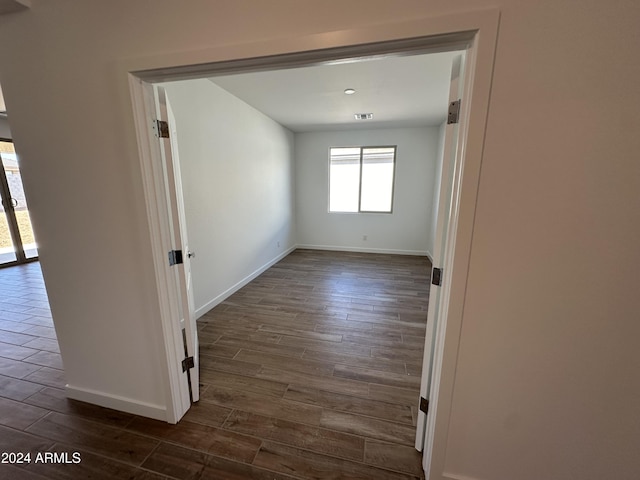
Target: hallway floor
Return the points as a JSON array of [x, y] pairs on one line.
[[311, 371]]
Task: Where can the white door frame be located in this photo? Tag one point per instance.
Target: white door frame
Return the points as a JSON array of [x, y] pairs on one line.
[[439, 257], [160, 222], [475, 31]]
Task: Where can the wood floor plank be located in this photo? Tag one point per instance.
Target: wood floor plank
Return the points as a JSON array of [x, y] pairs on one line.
[[220, 468], [262, 337], [11, 321], [37, 320], [45, 359], [43, 312], [220, 329], [54, 399], [350, 404], [39, 331], [405, 328], [14, 312], [91, 466], [293, 332], [413, 340], [375, 317], [15, 352], [262, 386], [403, 458], [347, 308], [218, 350], [207, 413], [328, 324], [397, 353], [414, 369], [230, 341], [401, 380], [12, 440], [263, 405], [206, 339], [386, 393], [210, 365], [47, 376], [320, 345], [310, 465], [19, 415], [373, 340], [177, 462], [366, 362], [304, 365], [331, 384], [16, 338], [296, 434], [94, 437], [369, 427], [17, 389], [275, 319], [43, 344], [204, 438], [15, 473], [16, 369]]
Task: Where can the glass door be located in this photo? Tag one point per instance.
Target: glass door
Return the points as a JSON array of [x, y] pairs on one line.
[[17, 242]]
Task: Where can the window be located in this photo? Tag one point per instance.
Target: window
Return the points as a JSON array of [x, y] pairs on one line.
[[361, 179]]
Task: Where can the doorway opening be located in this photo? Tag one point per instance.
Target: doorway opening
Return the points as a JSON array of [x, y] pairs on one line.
[[473, 114], [213, 112]]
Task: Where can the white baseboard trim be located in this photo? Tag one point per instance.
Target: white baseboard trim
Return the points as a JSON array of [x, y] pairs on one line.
[[233, 289], [420, 253], [117, 402]]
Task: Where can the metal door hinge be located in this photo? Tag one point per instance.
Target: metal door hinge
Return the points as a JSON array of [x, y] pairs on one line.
[[187, 364], [161, 128], [454, 112], [436, 277], [424, 405], [175, 257]]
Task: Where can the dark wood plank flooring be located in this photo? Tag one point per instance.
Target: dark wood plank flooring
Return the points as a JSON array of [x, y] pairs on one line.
[[311, 371]]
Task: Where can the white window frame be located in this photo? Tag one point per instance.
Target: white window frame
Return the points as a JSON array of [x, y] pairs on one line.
[[393, 180]]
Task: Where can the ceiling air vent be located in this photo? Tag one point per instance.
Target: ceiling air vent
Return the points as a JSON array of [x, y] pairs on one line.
[[363, 116]]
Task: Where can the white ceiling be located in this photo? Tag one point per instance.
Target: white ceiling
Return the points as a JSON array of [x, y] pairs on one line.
[[403, 91]]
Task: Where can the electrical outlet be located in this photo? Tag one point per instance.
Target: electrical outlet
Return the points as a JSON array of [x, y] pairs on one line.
[[278, 244], [364, 237]]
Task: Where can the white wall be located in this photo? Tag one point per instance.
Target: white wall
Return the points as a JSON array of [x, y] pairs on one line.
[[547, 383], [237, 176], [406, 230], [5, 131]]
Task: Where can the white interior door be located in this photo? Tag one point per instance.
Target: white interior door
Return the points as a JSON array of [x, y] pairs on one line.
[[181, 243], [434, 313]]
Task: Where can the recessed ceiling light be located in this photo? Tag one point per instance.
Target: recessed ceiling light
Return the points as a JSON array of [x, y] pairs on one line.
[[349, 91], [363, 116]]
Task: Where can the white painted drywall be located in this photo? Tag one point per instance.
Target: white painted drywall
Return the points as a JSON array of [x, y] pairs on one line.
[[547, 383], [406, 230], [436, 187], [237, 178], [5, 131]]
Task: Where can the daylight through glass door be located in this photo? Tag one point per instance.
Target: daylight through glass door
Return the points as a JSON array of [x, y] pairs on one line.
[[17, 242]]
